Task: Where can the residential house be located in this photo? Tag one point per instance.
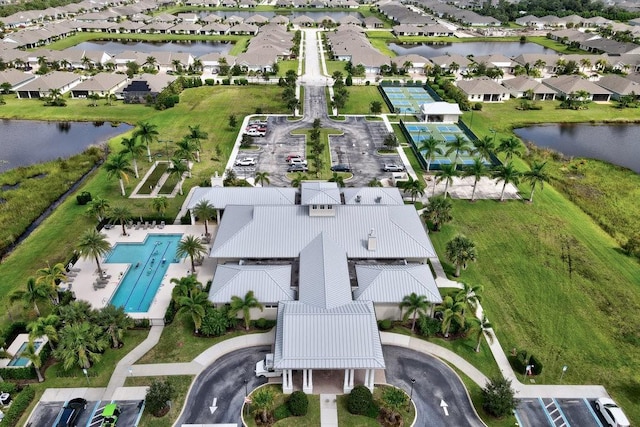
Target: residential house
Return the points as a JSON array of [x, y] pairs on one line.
[[619, 86], [483, 90], [44, 85], [144, 88], [101, 84], [522, 86], [570, 85]]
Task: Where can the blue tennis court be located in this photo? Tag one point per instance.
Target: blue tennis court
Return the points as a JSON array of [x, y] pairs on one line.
[[407, 99]]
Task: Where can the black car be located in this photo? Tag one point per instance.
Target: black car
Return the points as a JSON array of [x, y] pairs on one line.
[[341, 168], [71, 412]]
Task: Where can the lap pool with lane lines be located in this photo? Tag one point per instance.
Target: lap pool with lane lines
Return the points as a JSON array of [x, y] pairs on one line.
[[149, 262]]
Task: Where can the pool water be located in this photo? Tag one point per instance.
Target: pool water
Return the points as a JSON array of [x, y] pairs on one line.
[[23, 361], [149, 263]]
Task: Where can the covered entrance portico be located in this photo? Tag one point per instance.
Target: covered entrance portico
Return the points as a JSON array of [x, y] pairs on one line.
[[330, 381]]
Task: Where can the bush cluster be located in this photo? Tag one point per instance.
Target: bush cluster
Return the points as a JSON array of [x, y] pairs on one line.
[[298, 403], [20, 404], [385, 324], [360, 402], [13, 330], [522, 359], [281, 412], [83, 198], [159, 393], [263, 323], [428, 326], [170, 313]]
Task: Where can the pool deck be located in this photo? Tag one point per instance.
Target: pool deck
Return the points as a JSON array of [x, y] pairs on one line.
[[82, 283]]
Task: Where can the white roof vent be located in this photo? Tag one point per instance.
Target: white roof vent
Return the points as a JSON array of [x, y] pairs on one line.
[[372, 241]]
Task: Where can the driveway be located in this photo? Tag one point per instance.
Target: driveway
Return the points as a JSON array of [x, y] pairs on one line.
[[435, 383]]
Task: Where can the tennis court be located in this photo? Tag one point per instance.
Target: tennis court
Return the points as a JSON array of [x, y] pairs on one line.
[[407, 99]]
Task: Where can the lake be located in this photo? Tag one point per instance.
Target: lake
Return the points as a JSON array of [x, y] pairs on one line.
[[313, 15], [616, 144], [429, 50], [27, 142], [195, 48]]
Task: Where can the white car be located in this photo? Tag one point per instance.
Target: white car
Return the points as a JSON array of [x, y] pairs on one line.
[[247, 161], [611, 412], [297, 161], [392, 167], [255, 132]]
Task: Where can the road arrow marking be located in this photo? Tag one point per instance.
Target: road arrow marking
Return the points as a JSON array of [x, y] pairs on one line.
[[444, 407], [213, 406]]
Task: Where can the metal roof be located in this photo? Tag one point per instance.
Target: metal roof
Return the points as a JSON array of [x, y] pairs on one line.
[[345, 337], [283, 231], [324, 274], [391, 283], [372, 196], [220, 197], [320, 193], [270, 283]]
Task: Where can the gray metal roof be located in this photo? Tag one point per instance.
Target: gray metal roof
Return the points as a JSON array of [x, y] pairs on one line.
[[269, 283], [320, 193], [345, 337], [373, 196], [283, 231], [391, 283], [324, 274], [220, 197]]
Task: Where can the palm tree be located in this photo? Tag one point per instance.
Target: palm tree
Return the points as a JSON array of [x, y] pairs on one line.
[[151, 61], [196, 135], [187, 148], [262, 400], [484, 146], [298, 179], [115, 321], [416, 305], [192, 247], [536, 175], [458, 145], [148, 133], [460, 251], [510, 146], [471, 296], [262, 178], [178, 168], [121, 214], [81, 344], [47, 326], [446, 174], [507, 174], [77, 311], [244, 305], [34, 357], [194, 304], [438, 212], [94, 244], [205, 211], [160, 204], [338, 179], [34, 293], [431, 148], [374, 183], [482, 327], [131, 146], [98, 207], [414, 187], [50, 276], [477, 170], [185, 286], [118, 166], [451, 312]]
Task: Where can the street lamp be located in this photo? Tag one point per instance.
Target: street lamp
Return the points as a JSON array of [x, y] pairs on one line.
[[86, 374], [246, 391], [413, 381], [564, 369], [166, 145]]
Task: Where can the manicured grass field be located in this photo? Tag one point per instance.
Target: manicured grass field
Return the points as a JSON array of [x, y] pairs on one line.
[[360, 98]]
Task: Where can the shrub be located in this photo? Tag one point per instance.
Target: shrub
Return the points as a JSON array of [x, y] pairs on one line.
[[141, 323], [10, 334], [209, 82], [186, 219], [281, 412], [360, 400], [298, 403], [263, 323], [385, 324], [428, 326], [537, 365], [215, 322], [159, 393], [6, 387], [498, 397], [83, 198], [20, 404], [226, 82], [477, 106], [170, 314]]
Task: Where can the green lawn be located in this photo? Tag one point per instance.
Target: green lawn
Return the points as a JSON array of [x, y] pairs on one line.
[[325, 172], [181, 384], [360, 98], [312, 419]]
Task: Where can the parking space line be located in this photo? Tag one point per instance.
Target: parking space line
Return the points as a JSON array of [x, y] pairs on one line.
[[549, 410], [592, 412]]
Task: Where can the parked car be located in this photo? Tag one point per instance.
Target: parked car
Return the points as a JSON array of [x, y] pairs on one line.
[[341, 168], [247, 161], [392, 167], [611, 412], [293, 156], [71, 411], [256, 132], [297, 161], [297, 168], [264, 368]]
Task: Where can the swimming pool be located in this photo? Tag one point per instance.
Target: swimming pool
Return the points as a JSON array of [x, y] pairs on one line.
[[23, 361], [149, 263]]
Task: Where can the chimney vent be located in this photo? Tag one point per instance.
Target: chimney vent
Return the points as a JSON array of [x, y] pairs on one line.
[[358, 198], [378, 199], [372, 241]]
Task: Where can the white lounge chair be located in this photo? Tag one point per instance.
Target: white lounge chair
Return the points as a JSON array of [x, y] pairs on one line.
[[161, 224]]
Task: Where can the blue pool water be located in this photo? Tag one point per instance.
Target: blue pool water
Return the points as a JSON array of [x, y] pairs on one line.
[[149, 262], [23, 361]]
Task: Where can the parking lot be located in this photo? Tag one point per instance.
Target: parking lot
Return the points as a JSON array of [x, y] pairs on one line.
[[570, 412], [46, 413]]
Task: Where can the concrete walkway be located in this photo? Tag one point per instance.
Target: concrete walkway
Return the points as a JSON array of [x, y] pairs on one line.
[[328, 410]]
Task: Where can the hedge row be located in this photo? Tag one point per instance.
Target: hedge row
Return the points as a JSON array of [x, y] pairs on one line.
[[20, 404]]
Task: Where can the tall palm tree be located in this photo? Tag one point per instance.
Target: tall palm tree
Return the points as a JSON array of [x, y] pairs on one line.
[[115, 321], [192, 247], [34, 293], [458, 145], [460, 251], [94, 244], [446, 174], [121, 214], [244, 305], [148, 133], [77, 311], [338, 179], [510, 146], [298, 179], [414, 187], [482, 327], [118, 166], [194, 304], [81, 344], [185, 286], [197, 135], [50, 276], [484, 146], [205, 211], [34, 357], [98, 207], [151, 62], [471, 296], [477, 170], [451, 312], [416, 305], [431, 148], [507, 174], [537, 174], [262, 178], [187, 148], [438, 212], [263, 400], [178, 168], [374, 183], [134, 148], [47, 326], [160, 204]]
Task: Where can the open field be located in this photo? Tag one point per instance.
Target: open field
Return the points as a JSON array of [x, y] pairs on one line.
[[360, 98]]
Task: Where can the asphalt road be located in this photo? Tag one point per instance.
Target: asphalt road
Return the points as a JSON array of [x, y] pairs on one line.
[[435, 383], [224, 381]]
